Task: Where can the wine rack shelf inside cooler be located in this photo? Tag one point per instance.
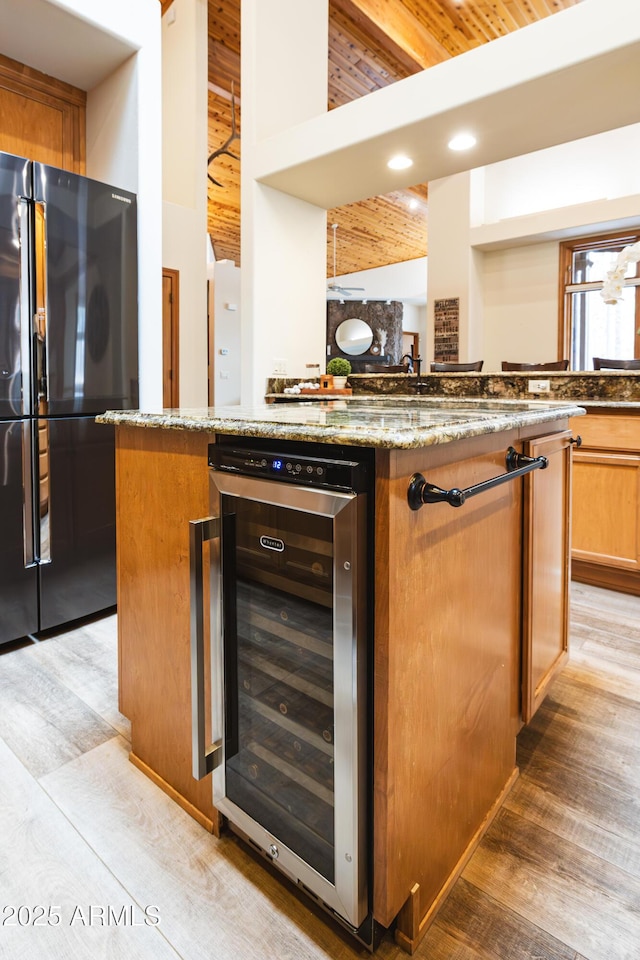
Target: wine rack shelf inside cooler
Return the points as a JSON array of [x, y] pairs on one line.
[[284, 768]]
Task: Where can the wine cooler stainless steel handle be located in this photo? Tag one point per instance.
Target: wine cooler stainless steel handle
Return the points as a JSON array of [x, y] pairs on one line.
[[205, 757], [421, 491]]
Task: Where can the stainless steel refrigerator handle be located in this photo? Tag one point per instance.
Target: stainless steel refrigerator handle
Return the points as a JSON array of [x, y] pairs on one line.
[[44, 491], [205, 758], [25, 299], [27, 496], [40, 315]]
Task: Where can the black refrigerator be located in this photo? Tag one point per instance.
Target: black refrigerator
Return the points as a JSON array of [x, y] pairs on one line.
[[68, 351]]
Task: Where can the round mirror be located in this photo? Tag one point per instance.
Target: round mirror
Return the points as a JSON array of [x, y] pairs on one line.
[[354, 336]]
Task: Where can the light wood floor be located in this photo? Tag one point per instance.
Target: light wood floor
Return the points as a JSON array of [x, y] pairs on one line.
[[86, 836]]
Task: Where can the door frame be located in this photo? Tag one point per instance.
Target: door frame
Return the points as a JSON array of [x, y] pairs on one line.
[[171, 338]]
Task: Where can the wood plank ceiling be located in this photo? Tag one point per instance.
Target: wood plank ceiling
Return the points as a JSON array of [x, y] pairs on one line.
[[372, 43]]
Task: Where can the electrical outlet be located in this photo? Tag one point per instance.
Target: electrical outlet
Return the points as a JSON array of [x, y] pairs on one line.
[[539, 386], [279, 367]]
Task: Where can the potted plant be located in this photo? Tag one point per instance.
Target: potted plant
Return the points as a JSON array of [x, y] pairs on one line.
[[339, 369]]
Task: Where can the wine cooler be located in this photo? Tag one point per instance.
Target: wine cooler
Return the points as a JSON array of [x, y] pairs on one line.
[[289, 639]]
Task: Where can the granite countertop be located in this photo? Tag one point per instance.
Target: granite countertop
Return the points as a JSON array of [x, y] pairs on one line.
[[631, 405], [595, 387], [391, 422]]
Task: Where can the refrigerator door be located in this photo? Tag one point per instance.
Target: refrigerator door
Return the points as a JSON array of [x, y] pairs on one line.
[[15, 177], [77, 514], [86, 294], [18, 573]]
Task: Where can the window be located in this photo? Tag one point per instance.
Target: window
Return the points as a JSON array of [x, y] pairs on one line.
[[591, 327]]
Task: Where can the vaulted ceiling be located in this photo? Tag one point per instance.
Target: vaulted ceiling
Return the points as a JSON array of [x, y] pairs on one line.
[[372, 43]]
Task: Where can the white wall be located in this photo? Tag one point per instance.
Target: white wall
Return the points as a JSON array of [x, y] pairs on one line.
[[123, 139], [396, 281], [597, 178], [225, 343], [600, 167], [284, 81], [453, 267], [112, 123], [414, 317], [520, 302], [184, 184], [493, 243], [283, 289]]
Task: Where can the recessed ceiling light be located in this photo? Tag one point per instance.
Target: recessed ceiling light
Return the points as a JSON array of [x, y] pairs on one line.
[[462, 141], [400, 162], [413, 204]]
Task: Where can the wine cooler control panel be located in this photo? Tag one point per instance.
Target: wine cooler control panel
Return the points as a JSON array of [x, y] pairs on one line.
[[291, 467]]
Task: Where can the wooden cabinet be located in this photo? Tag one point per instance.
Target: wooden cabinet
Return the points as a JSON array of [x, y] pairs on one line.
[[606, 501], [455, 592], [162, 484], [545, 594], [447, 635], [43, 118]]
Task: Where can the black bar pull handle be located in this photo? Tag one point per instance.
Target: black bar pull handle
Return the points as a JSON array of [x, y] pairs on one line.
[[421, 491]]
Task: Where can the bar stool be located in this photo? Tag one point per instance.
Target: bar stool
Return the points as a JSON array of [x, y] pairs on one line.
[[599, 363], [553, 365], [456, 367]]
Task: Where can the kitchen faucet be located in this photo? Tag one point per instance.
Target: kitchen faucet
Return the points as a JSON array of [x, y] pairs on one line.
[[414, 363]]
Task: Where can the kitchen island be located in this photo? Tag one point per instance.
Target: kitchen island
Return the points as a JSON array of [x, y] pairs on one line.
[[467, 608], [606, 491]]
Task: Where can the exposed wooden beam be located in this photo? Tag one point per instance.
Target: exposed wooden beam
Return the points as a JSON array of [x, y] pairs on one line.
[[393, 22], [224, 65]]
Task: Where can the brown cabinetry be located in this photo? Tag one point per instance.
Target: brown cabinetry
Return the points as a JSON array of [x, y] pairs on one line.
[[43, 118], [447, 640], [606, 501], [162, 484], [456, 593], [545, 607]]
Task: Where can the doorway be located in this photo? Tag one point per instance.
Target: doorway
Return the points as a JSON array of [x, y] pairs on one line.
[[410, 343]]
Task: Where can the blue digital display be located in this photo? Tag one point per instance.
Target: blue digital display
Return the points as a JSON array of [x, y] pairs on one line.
[[276, 465]]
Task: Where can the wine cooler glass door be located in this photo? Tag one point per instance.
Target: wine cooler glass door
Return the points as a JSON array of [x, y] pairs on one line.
[[293, 775]]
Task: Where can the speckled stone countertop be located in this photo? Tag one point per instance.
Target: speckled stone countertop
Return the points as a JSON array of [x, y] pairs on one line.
[[610, 387], [391, 422]]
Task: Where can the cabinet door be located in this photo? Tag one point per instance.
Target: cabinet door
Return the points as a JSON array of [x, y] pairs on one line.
[[605, 526], [546, 568], [162, 483], [42, 118], [607, 508]]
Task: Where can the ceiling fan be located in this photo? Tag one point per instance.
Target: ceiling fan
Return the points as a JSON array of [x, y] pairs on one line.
[[333, 288]]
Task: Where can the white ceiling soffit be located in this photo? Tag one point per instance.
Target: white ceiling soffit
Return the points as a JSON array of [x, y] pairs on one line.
[[569, 76], [54, 41], [574, 220]]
